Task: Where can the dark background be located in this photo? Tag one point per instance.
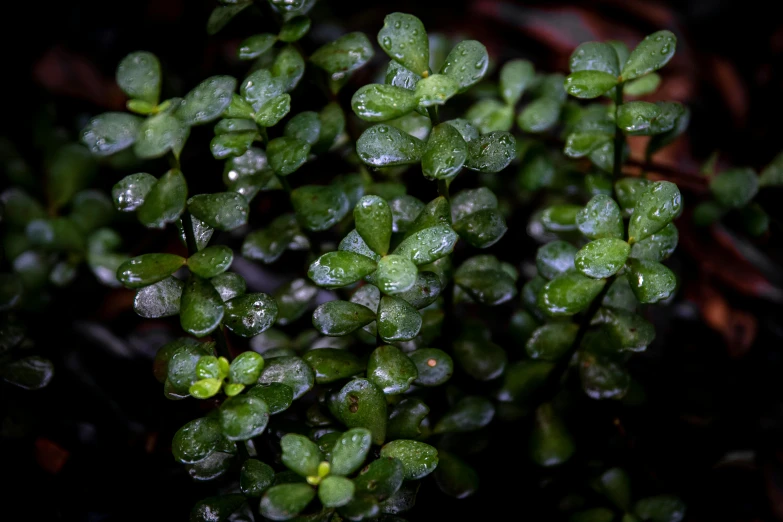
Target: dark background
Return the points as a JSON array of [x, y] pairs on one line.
[[95, 444]]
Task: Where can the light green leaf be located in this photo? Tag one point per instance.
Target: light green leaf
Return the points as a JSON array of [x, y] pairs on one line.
[[335, 491], [651, 54], [395, 274], [350, 450], [492, 152], [147, 269], [595, 56], [642, 86], [285, 501], [602, 258], [336, 269], [344, 55], [467, 63], [428, 245], [319, 207], [138, 75], [589, 84], [246, 368], [274, 110], [435, 90], [379, 102], [300, 454], [404, 39], [207, 101], [515, 76]]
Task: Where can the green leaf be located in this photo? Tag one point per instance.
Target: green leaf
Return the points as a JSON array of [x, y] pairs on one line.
[[620, 295], [293, 299], [336, 269], [360, 404], [332, 364], [434, 366], [353, 242], [268, 244], [223, 210], [636, 117], [467, 63], [651, 54], [250, 314], [201, 308], [285, 501], [589, 84], [300, 454], [445, 153], [210, 367], [386, 146], [183, 358], [405, 420], [555, 258], [540, 115], [205, 388], [246, 368], [661, 508], [211, 261], [435, 213], [468, 414], [161, 299], [196, 440], [601, 377], [335, 491], [291, 371], [615, 485], [395, 274], [277, 396], [165, 201], [642, 86], [147, 269], [650, 281], [404, 39], [70, 171], [256, 45], [397, 320], [492, 152], [160, 134], [435, 90], [288, 68], [255, 477], [239, 109], [600, 218], [481, 359], [294, 29], [390, 369], [569, 294], [243, 417], [580, 144], [735, 188], [595, 56], [207, 101], [550, 442], [490, 115], [427, 245], [341, 317], [274, 110], [454, 477], [418, 459], [551, 341], [381, 478], [350, 450], [233, 144], [138, 75], [111, 132], [373, 219], [223, 14], [489, 286], [129, 193], [602, 258], [522, 379], [629, 190], [286, 155], [260, 87], [380, 102], [344, 55], [515, 76], [660, 204], [332, 121], [305, 126], [229, 285], [680, 125], [658, 246], [399, 76], [425, 290], [29, 373]]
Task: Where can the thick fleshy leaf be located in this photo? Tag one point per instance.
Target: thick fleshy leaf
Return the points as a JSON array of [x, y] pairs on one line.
[[636, 117], [183, 357], [445, 153], [659, 205], [405, 420], [138, 75], [294, 29], [285, 501], [483, 228], [551, 341], [274, 110], [335, 491], [360, 404], [658, 246], [642, 86], [602, 378], [600, 218], [425, 290], [522, 379], [288, 68], [381, 478], [399, 76], [620, 295], [30, 373], [373, 219], [333, 364], [481, 359], [341, 317], [129, 193], [661, 508], [589, 84], [286, 154], [580, 144], [350, 450], [223, 210], [555, 258], [255, 477], [256, 45], [735, 188], [319, 207], [305, 126], [161, 299], [651, 54], [569, 294], [515, 76], [434, 366], [435, 89], [246, 368], [277, 396], [395, 274], [602, 258], [454, 477], [201, 308], [300, 454], [196, 439], [379, 102], [550, 442], [260, 87], [390, 369], [111, 132], [540, 115], [418, 459], [628, 330], [147, 269], [650, 281], [595, 56], [160, 134], [428, 245], [205, 388], [468, 414], [492, 152], [353, 242], [397, 320], [268, 244], [386, 146], [467, 63], [292, 371], [344, 55], [435, 213], [629, 190], [211, 261], [250, 314], [229, 285], [207, 101], [232, 144], [490, 115], [165, 201], [404, 39], [361, 507], [341, 268]]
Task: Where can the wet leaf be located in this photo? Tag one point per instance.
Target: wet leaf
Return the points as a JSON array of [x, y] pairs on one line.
[[160, 134], [550, 442], [211, 261], [332, 364], [555, 258], [246, 368], [341, 317], [436, 212], [255, 477], [285, 501], [651, 54], [404, 39], [445, 153], [379, 102], [332, 121], [490, 115], [256, 45], [602, 258], [201, 308], [551, 341], [615, 485], [515, 76], [344, 55], [286, 155], [223, 210], [735, 188], [418, 459], [650, 281], [595, 56], [196, 440], [229, 285], [480, 359], [381, 478], [305, 126], [233, 144], [540, 115], [425, 290], [587, 84], [580, 144], [300, 454], [111, 132], [350, 450], [360, 404], [397, 320], [288, 68], [138, 75], [373, 219], [657, 206], [658, 246], [435, 90], [277, 396], [434, 366], [207, 101], [335, 491], [600, 218], [161, 299], [492, 152], [165, 201], [390, 369], [250, 314], [289, 370], [569, 294], [205, 388], [341, 268], [353, 242], [629, 190], [292, 299], [294, 29], [428, 244], [468, 414], [319, 207], [395, 274], [274, 110], [405, 420], [636, 117], [147, 269], [467, 63], [268, 244], [129, 193], [487, 284], [601, 377]]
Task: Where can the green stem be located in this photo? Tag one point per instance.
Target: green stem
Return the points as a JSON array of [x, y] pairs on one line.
[[443, 188], [433, 113], [619, 139], [264, 136], [190, 237], [284, 182]]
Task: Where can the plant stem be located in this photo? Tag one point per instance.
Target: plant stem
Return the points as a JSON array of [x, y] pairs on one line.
[[221, 343], [433, 113], [443, 188], [284, 182], [619, 140], [190, 238]]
